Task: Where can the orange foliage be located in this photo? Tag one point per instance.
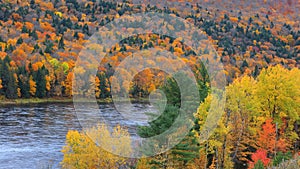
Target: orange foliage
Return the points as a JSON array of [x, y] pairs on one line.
[[29, 25], [18, 25], [2, 55], [37, 65], [16, 16], [47, 27]]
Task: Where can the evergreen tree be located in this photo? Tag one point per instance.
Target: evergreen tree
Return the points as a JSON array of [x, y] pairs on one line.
[[24, 29], [1, 40], [34, 35], [20, 41], [76, 35], [41, 82], [9, 88], [256, 71], [61, 44], [49, 48], [85, 29], [186, 150], [23, 82]]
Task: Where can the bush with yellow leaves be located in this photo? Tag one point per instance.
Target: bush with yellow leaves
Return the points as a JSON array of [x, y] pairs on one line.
[[84, 149]]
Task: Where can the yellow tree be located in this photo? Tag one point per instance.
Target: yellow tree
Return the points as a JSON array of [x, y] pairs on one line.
[[68, 84], [213, 145], [94, 87], [243, 114], [278, 91], [84, 149], [32, 86]]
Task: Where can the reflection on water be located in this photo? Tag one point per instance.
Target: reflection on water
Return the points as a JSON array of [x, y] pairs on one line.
[[32, 136]]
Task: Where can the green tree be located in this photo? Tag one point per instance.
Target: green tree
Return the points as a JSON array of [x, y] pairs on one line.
[[9, 88], [281, 157], [40, 79], [61, 44], [23, 82]]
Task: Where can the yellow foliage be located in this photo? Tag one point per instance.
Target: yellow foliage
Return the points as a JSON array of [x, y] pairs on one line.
[[234, 19], [143, 163], [58, 14], [19, 92], [68, 84], [32, 86], [48, 79], [84, 149], [12, 42]]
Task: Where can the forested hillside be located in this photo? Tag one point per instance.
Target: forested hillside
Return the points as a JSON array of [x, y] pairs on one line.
[[40, 42]]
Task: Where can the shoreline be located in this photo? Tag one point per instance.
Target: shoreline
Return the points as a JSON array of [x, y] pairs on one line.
[[62, 100]]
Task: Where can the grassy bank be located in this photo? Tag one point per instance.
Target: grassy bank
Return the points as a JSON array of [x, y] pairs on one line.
[[58, 100]]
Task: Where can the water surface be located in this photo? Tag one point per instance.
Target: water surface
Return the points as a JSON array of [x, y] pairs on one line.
[[33, 136]]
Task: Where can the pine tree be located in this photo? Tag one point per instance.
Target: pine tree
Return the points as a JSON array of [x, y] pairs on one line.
[[76, 35], [24, 29], [9, 86], [156, 127], [23, 82], [20, 41], [61, 44], [186, 150], [11, 90], [40, 79], [34, 35], [85, 29]]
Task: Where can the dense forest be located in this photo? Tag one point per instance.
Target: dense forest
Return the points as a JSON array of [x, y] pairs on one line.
[[40, 42]]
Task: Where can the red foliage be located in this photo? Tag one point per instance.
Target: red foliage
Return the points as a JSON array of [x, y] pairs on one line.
[[267, 136], [261, 155]]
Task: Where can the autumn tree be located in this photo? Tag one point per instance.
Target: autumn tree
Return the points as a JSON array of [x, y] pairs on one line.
[[85, 149], [32, 86], [278, 92], [214, 148], [260, 156], [267, 136], [244, 117]]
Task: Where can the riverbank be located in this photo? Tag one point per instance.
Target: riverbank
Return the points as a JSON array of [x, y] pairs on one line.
[[58, 100]]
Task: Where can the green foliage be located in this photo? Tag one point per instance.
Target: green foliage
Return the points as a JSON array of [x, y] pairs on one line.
[[9, 88], [186, 150], [61, 44], [160, 124], [40, 80], [23, 82], [281, 157], [172, 92], [259, 165]]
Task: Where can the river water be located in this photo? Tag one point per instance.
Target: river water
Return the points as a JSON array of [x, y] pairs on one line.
[[33, 136]]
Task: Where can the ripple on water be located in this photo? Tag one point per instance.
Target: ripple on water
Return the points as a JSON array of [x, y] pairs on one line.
[[32, 137]]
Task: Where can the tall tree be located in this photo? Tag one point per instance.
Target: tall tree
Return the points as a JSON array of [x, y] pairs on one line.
[[278, 91], [9, 86], [244, 118], [40, 79]]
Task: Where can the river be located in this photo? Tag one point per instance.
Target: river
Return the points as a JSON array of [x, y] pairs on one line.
[[33, 136]]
